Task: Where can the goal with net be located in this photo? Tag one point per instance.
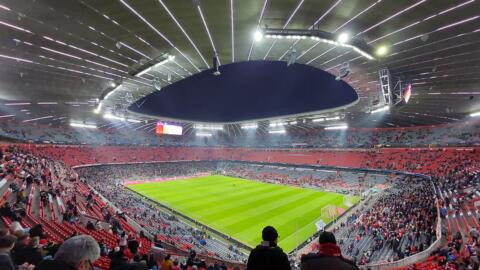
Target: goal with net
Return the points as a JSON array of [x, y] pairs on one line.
[[349, 201], [329, 212]]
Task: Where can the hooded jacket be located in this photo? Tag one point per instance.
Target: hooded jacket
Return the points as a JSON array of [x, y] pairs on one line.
[[329, 257], [265, 257]]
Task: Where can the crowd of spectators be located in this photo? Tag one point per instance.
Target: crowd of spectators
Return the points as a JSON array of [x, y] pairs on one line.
[[397, 225], [340, 181], [109, 181], [400, 223], [29, 187], [312, 137]]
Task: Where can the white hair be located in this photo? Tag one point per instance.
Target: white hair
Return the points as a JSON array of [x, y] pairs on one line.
[[77, 249]]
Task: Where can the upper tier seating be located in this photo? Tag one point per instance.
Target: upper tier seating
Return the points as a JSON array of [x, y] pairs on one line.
[[462, 134]]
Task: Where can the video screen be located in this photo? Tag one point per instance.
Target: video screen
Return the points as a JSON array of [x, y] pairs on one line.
[[164, 128]]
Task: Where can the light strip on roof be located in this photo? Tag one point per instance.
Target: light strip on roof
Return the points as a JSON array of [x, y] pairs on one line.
[[315, 23], [62, 53], [86, 51], [332, 118], [232, 30], [5, 7], [426, 19], [258, 27], [277, 124], [15, 27], [394, 32], [159, 33], [36, 119], [455, 7], [249, 126], [208, 127], [391, 17], [18, 104], [475, 114], [133, 120], [457, 23], [285, 26], [356, 16], [184, 32], [143, 40], [81, 125], [134, 50], [16, 58], [82, 50], [143, 72], [6, 116], [315, 58], [201, 134], [339, 127], [47, 103], [208, 33], [280, 131], [338, 28]]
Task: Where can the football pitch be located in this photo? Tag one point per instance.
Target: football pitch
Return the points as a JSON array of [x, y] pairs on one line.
[[241, 208]]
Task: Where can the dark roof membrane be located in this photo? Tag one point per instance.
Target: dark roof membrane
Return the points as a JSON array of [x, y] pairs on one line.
[[248, 91]]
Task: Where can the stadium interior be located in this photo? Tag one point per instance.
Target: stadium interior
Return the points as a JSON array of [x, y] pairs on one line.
[[170, 134]]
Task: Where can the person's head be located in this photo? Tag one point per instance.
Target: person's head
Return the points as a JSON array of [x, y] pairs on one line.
[[79, 252], [35, 241], [270, 235], [7, 242], [167, 257], [194, 267], [327, 238], [23, 239]]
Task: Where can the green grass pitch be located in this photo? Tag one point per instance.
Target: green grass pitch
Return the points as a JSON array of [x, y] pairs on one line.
[[241, 208]]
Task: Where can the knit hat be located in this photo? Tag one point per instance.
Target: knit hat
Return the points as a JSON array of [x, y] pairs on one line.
[[269, 234], [327, 237]]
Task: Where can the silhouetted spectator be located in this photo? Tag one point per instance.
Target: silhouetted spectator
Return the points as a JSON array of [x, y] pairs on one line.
[[329, 256], [267, 255]]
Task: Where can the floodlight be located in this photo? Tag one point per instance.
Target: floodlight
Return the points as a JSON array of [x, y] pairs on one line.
[[258, 36], [343, 37], [382, 50]]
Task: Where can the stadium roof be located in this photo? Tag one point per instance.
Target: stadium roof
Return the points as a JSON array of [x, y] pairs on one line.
[[58, 57]]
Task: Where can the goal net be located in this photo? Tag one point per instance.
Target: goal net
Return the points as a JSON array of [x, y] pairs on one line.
[[329, 212], [349, 201]]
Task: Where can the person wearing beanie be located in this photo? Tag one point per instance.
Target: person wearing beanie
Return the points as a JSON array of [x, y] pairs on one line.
[[329, 256], [267, 255]]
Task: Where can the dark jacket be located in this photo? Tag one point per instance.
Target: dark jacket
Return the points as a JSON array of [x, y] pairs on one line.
[[325, 262], [268, 258], [6, 262], [26, 254], [53, 265]]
